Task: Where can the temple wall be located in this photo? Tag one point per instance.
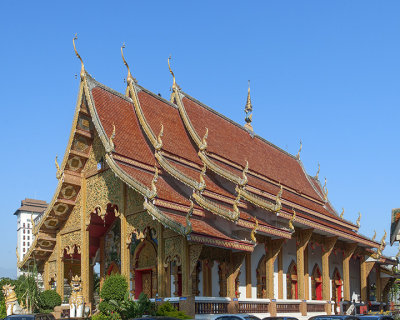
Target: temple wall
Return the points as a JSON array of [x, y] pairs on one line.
[[201, 283], [258, 252], [242, 280], [314, 258], [336, 261], [215, 279], [289, 254], [355, 283], [276, 270]]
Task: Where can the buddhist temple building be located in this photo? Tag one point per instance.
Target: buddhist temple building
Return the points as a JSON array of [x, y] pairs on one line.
[[191, 206]]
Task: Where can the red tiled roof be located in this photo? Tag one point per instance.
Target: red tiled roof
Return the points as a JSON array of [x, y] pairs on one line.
[[236, 144], [129, 140], [225, 140], [175, 140]]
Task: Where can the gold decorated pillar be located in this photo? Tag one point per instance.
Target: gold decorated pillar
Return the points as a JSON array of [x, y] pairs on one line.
[[302, 237], [248, 275], [272, 250], [161, 274], [306, 275], [328, 246], [125, 256], [84, 245], [280, 274], [348, 252], [46, 279], [186, 278], [365, 269], [60, 267]]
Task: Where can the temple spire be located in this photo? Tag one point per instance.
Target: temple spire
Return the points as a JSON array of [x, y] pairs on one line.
[[248, 109], [79, 57]]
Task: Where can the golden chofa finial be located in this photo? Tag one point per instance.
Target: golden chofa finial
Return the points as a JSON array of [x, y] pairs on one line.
[[129, 78], [175, 87], [342, 214], [298, 153], [248, 109], [317, 175], [374, 236], [79, 57]]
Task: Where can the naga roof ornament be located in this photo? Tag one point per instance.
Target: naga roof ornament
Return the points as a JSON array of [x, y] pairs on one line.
[[111, 146], [254, 231], [358, 220], [159, 143], [317, 175], [79, 57], [291, 226], [188, 228], [59, 173], [244, 172], [298, 153], [342, 214], [129, 78], [153, 183], [248, 109], [325, 191], [374, 236]]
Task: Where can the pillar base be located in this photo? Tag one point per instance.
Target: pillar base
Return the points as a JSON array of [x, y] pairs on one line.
[[328, 308], [272, 308], [233, 307], [187, 305], [303, 308]]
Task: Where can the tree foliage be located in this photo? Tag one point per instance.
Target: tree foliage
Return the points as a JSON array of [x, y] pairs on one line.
[[48, 300], [168, 310], [114, 288]]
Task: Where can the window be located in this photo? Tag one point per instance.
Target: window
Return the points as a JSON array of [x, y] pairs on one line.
[[23, 243], [29, 225], [23, 238], [28, 238], [28, 231], [23, 250], [23, 225], [24, 231]]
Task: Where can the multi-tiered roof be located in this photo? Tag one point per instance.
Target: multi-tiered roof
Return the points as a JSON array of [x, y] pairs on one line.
[[199, 173]]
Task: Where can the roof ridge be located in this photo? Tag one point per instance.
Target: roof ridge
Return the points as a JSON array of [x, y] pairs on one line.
[[236, 124]]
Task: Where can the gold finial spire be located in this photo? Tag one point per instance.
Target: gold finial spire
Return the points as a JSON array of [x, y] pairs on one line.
[[174, 85], [317, 175], [373, 238], [298, 153], [341, 215], [248, 109], [79, 57], [129, 77]]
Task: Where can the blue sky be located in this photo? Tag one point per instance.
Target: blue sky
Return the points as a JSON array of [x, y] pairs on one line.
[[325, 72]]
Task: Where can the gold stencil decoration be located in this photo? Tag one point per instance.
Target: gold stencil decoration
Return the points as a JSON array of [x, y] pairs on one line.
[[68, 192], [75, 163], [60, 209]]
